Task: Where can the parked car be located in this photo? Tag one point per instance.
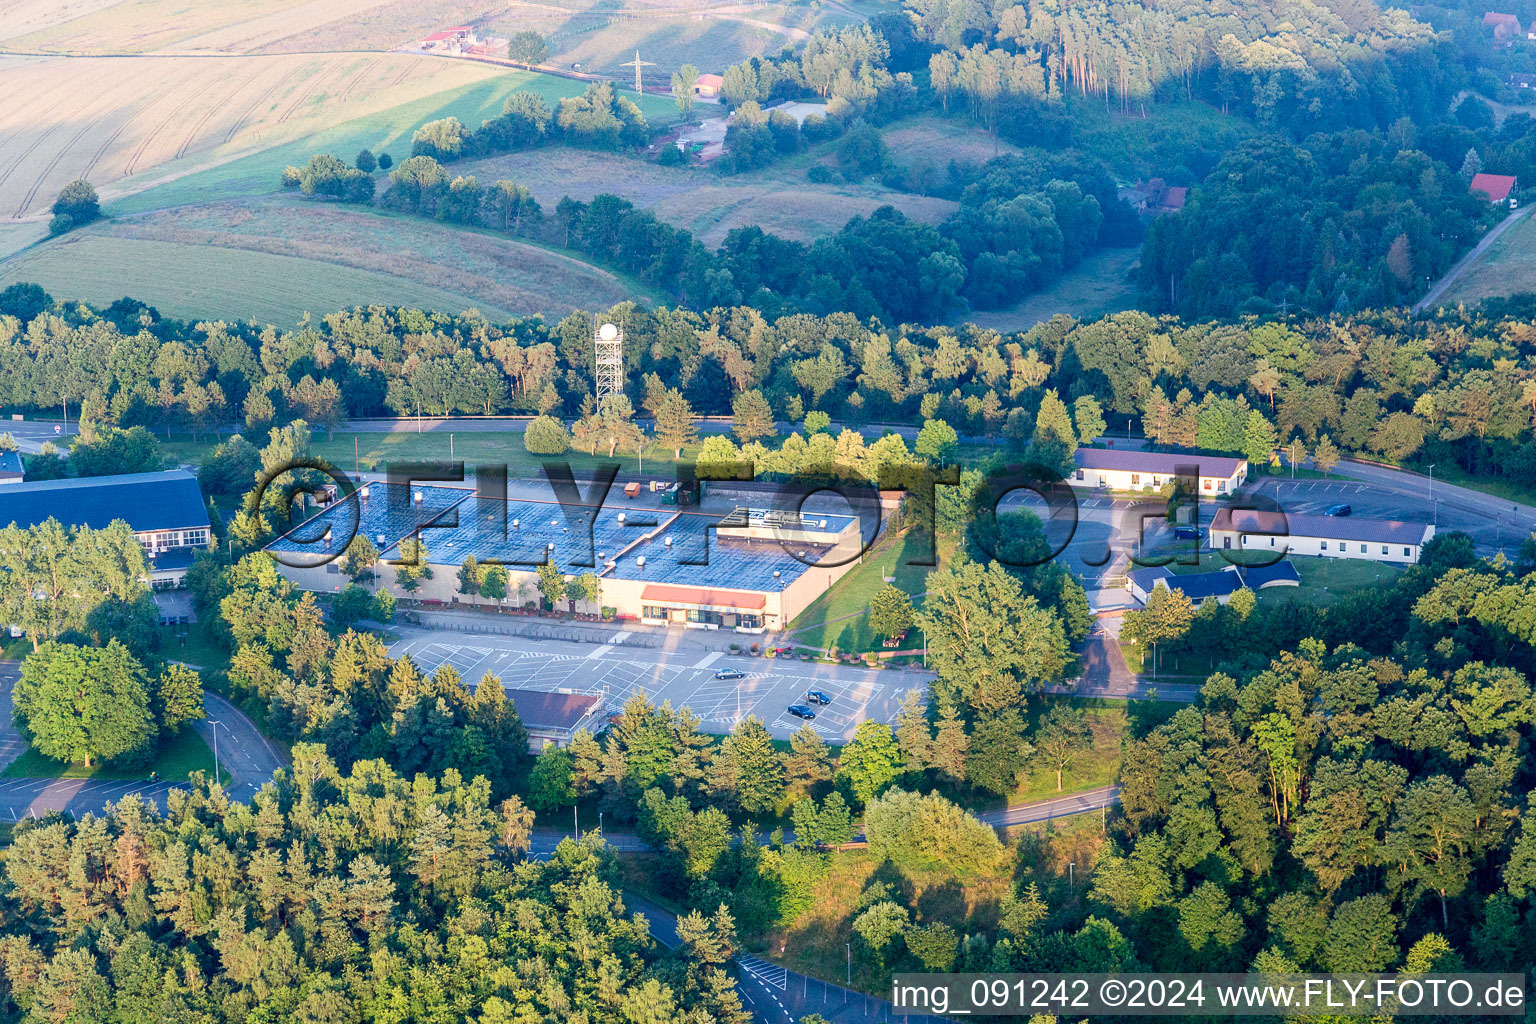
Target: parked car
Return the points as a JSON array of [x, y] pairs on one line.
[[730, 673], [802, 711], [817, 697], [1187, 532], [779, 651], [1338, 510]]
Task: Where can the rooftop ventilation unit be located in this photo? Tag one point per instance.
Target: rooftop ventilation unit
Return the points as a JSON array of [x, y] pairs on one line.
[[621, 517], [418, 496], [668, 542], [640, 561], [381, 537], [365, 493], [517, 524], [775, 574]]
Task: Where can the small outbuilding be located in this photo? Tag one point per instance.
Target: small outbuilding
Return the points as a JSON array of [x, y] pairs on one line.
[[1499, 188], [708, 86]]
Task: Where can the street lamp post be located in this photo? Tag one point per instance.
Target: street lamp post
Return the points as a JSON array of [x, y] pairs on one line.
[[215, 723]]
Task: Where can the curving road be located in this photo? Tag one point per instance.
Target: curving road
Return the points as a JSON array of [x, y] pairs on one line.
[[248, 756]]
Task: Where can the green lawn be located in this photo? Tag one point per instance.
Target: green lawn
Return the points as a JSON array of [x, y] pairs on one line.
[[371, 451], [183, 753], [839, 617], [191, 644]]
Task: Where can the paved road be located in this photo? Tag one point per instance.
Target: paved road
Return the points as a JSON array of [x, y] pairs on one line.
[[1440, 287], [249, 757]]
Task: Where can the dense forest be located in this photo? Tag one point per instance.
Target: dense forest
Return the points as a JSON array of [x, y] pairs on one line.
[[336, 896]]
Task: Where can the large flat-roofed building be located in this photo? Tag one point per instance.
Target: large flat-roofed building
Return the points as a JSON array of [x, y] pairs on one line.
[[750, 570], [11, 471], [165, 511], [1376, 540], [1119, 470]]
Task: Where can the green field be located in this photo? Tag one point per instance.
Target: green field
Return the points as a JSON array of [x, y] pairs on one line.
[[1103, 283], [273, 258], [388, 131], [839, 618], [183, 753], [194, 281], [1508, 267]]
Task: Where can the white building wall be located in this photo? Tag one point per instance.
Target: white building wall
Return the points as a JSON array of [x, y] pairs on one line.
[[1317, 547], [1127, 480]]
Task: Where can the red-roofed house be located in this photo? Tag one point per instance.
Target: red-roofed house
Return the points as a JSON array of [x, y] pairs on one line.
[[708, 86], [1498, 188], [1505, 26], [452, 39]]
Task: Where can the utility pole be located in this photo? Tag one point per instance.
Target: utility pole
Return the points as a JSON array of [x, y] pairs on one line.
[[637, 64]]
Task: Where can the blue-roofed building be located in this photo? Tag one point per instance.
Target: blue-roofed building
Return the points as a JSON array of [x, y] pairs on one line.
[[11, 471], [1218, 586], [750, 569], [164, 510]]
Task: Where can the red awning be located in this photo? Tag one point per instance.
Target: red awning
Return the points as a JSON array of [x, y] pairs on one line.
[[703, 598]]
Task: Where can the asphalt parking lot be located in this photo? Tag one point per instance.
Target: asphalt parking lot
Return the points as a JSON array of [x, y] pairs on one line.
[[682, 674], [1502, 531]]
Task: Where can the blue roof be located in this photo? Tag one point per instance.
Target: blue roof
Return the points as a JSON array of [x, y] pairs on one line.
[[1258, 576], [698, 558], [1146, 579], [10, 463], [1199, 585], [169, 500], [456, 523]]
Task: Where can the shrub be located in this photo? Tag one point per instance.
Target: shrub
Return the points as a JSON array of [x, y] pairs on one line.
[[915, 831], [670, 156], [292, 177], [386, 161], [365, 161], [546, 435], [77, 201], [60, 223], [819, 175]]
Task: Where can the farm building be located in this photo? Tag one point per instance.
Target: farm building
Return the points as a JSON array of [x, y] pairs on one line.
[[1375, 540], [1218, 586], [1119, 470], [1498, 188], [797, 109], [164, 510], [1155, 197], [751, 570], [708, 86], [1505, 27], [553, 718], [450, 40], [11, 471]]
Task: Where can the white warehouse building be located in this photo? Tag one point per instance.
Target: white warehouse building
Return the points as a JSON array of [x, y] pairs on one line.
[[1375, 540]]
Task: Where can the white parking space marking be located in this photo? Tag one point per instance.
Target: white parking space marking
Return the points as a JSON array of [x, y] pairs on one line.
[[768, 688]]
